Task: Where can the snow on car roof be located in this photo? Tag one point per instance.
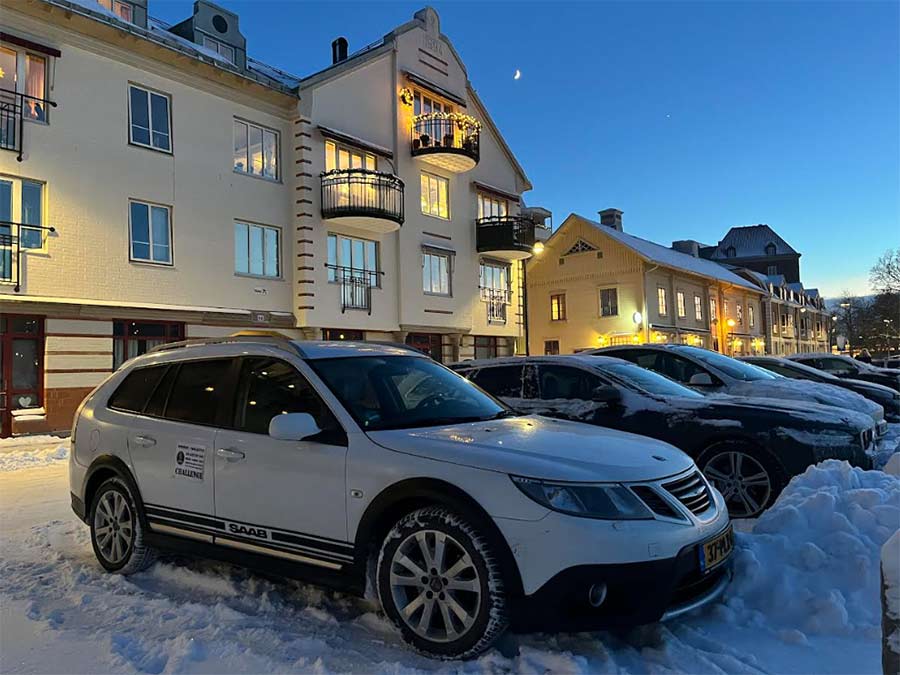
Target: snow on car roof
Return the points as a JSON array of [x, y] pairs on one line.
[[329, 349]]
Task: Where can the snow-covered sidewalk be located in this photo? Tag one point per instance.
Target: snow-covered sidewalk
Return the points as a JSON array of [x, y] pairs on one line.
[[805, 599]]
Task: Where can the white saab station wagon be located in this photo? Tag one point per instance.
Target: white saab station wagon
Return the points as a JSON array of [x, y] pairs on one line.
[[369, 466]]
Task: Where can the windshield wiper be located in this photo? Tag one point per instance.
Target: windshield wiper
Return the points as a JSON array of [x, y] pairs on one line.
[[503, 414]]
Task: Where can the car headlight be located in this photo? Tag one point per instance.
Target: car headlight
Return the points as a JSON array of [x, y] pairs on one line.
[[587, 500]]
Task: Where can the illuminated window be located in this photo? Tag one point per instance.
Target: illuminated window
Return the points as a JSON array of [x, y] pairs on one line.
[[750, 316], [698, 308], [423, 103], [435, 196], [713, 310], [256, 150], [491, 207], [558, 307], [23, 73], [661, 300], [123, 10], [609, 302], [739, 313], [679, 300]]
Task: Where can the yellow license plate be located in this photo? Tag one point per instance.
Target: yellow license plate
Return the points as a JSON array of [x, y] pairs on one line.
[[716, 551]]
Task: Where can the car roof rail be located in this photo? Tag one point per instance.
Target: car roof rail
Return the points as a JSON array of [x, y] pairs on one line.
[[281, 342]]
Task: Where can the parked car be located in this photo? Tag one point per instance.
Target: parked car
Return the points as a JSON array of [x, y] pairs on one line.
[[887, 398], [347, 463], [889, 362], [847, 367], [748, 447], [710, 372]]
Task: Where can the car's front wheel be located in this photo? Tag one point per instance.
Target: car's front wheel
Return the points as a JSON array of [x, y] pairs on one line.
[[749, 479], [440, 583], [117, 535]]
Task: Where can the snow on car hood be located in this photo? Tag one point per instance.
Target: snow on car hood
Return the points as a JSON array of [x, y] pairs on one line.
[[540, 447], [803, 411], [809, 392]]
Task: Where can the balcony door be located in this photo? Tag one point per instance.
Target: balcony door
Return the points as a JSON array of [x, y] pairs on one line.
[[21, 366], [361, 190]]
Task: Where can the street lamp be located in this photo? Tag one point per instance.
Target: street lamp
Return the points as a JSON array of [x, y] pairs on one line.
[[730, 324]]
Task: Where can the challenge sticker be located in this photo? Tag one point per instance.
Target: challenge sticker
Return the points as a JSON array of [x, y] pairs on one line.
[[190, 461]]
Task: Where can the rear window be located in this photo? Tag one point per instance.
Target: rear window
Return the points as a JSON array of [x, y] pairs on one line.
[[136, 389], [196, 391]]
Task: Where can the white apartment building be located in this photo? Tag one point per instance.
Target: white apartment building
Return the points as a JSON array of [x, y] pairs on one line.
[[156, 183]]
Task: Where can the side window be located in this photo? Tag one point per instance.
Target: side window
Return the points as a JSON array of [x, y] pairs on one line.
[[566, 383], [679, 369], [502, 382], [270, 387], [196, 391], [836, 366], [136, 389]]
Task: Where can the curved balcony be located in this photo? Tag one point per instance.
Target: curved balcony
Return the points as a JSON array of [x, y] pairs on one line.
[[361, 198], [448, 140], [505, 237]]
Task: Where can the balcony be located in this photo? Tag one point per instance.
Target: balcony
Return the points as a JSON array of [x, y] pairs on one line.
[[448, 140], [14, 109], [505, 237], [15, 238], [370, 200], [356, 286]]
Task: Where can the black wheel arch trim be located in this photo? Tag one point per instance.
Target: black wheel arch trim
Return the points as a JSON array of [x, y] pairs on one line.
[[105, 464]]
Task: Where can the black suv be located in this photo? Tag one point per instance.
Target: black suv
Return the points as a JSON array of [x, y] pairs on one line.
[[847, 367]]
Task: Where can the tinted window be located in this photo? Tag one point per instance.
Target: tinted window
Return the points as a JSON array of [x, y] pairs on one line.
[[836, 366], [731, 367], [270, 387], [679, 369], [157, 404], [136, 389], [647, 380], [567, 383], [195, 394], [503, 381]]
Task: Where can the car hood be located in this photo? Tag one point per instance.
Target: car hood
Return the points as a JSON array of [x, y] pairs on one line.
[[801, 412], [808, 392], [541, 447], [871, 386]]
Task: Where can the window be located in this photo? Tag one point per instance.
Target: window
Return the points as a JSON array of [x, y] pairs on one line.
[[436, 272], [770, 249], [256, 150], [486, 347], [503, 381], [22, 353], [679, 301], [713, 310], [730, 252], [725, 308], [661, 300], [698, 308], [772, 270], [133, 338], [197, 391], [270, 387], [24, 73], [750, 317], [491, 207], [564, 382], [358, 256], [493, 282], [739, 313], [341, 157], [423, 103], [220, 48], [341, 334], [123, 10], [257, 250], [551, 347], [558, 307], [150, 121], [151, 233], [435, 196], [609, 302], [134, 392], [21, 201]]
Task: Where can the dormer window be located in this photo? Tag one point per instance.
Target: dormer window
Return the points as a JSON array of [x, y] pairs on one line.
[[770, 249], [220, 48], [123, 10], [730, 252]]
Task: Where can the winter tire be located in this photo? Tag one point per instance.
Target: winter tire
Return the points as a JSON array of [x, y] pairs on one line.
[[116, 532], [749, 479], [440, 583]]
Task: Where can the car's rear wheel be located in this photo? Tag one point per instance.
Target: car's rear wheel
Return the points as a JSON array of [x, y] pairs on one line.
[[117, 535], [749, 479], [440, 583]]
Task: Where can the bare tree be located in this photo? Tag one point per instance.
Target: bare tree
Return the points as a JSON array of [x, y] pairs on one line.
[[885, 273]]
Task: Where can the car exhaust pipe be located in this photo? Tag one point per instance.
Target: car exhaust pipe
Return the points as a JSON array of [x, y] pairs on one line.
[[597, 595]]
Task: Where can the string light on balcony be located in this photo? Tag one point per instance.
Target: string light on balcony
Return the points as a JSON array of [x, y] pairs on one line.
[[406, 96], [461, 119]]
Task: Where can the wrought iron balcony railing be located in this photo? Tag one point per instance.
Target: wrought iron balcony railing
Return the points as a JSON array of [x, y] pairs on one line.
[[439, 133], [497, 300], [14, 109], [504, 233], [361, 193], [14, 239], [356, 286]]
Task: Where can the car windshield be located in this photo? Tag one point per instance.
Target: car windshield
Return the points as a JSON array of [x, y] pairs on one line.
[[647, 380], [739, 370], [403, 392]]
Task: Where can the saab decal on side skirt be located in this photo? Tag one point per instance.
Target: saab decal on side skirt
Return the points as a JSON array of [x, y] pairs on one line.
[[248, 530]]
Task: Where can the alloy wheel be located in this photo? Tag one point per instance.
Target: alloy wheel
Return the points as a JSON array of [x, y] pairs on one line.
[[743, 481], [435, 585], [113, 527]]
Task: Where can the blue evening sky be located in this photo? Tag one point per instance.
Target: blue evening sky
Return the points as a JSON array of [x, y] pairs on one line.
[[690, 117]]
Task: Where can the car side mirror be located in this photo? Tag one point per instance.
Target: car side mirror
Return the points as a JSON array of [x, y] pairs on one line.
[[293, 426], [606, 394], [701, 380]]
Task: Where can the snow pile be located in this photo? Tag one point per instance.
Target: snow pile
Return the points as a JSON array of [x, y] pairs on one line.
[[28, 451], [811, 567], [890, 567], [888, 446]]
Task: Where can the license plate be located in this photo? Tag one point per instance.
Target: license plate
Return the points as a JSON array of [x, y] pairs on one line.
[[716, 551]]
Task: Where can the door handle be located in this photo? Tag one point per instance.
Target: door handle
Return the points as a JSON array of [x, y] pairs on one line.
[[230, 455], [145, 441]]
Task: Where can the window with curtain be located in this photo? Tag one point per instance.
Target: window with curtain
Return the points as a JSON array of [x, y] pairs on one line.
[[609, 302], [149, 124], [435, 196], [558, 307], [360, 190], [491, 207], [150, 233], [436, 272], [713, 310], [256, 250], [256, 150], [358, 255], [23, 72]]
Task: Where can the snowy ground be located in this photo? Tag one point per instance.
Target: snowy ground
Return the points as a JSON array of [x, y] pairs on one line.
[[805, 598]]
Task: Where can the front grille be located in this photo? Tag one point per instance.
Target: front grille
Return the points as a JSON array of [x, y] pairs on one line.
[[654, 501], [692, 492], [868, 436]]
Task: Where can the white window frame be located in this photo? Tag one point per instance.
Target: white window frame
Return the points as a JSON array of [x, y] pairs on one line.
[[151, 92], [739, 313], [680, 304], [263, 130], [490, 206], [560, 315], [17, 209], [22, 55], [436, 104], [662, 302], [600, 301], [217, 46], [429, 255], [751, 316], [374, 269], [278, 240], [150, 261], [698, 308], [425, 196], [713, 310]]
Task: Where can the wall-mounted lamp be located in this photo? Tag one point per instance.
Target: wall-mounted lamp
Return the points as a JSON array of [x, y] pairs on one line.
[[406, 96], [636, 317], [538, 248]]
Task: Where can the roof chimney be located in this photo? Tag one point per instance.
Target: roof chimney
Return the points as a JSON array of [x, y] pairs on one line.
[[339, 50], [612, 218], [688, 246]]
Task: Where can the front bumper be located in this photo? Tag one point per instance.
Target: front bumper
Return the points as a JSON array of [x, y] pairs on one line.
[[637, 593]]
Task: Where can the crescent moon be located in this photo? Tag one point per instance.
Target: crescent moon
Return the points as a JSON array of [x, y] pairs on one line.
[[518, 74]]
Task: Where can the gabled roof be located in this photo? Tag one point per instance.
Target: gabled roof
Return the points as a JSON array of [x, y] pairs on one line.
[[666, 257], [750, 242]]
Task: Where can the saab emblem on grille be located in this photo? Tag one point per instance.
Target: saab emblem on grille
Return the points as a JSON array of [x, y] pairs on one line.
[[247, 530]]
